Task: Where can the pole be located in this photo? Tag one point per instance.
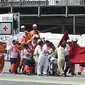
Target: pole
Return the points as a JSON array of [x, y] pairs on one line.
[[38, 8], [46, 2], [11, 9], [74, 28], [66, 8], [62, 28]]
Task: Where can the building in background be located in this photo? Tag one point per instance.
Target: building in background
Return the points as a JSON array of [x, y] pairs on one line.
[[54, 16]]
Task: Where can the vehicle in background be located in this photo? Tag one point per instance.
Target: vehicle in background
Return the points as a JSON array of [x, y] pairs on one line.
[[9, 25]]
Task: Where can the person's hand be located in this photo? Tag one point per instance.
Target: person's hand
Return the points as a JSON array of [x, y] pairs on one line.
[[5, 51]]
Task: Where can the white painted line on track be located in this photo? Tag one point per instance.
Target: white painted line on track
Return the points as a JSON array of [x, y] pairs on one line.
[[42, 81]]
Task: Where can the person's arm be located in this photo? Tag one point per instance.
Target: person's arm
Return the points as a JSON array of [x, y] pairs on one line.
[[23, 40]]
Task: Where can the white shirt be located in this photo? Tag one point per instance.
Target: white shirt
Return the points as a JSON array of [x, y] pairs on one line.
[[25, 54], [13, 52], [37, 52], [67, 48]]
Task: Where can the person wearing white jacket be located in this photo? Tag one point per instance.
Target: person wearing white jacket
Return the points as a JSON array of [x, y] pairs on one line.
[[61, 58], [43, 59], [37, 53]]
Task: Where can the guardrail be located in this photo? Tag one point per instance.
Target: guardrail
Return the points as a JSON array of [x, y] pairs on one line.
[[41, 2]]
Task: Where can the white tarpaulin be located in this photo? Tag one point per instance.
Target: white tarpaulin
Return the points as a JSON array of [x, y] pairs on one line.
[[55, 38], [81, 40]]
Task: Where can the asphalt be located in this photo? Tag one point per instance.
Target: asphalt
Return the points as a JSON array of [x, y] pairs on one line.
[[20, 79]]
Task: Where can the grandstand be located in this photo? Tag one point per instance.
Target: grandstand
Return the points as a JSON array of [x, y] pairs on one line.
[[54, 16]]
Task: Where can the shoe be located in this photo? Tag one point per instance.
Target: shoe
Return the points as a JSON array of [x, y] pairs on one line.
[[10, 71], [39, 74], [20, 68], [64, 74], [69, 71], [79, 73], [28, 73], [45, 75], [16, 72], [73, 74], [23, 72]]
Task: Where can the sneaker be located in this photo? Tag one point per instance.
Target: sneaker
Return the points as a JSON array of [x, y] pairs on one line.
[[20, 68], [28, 73], [16, 72], [69, 71], [39, 74], [10, 71], [64, 74], [73, 74], [45, 75], [79, 73]]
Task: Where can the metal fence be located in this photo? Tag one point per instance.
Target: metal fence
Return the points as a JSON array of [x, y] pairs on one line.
[[41, 2]]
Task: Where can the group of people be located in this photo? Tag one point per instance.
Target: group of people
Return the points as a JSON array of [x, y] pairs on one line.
[[31, 54]]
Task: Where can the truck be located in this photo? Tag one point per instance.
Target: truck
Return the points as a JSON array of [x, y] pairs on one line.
[[9, 25]]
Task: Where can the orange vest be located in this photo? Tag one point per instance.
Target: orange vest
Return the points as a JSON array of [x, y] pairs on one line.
[[25, 39], [2, 49], [33, 32]]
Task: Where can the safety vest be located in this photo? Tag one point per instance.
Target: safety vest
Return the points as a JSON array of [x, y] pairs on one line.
[[31, 48], [14, 51], [2, 50]]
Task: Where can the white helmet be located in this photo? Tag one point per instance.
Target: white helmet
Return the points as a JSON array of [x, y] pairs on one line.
[[74, 39], [22, 26], [34, 25], [16, 38], [69, 40]]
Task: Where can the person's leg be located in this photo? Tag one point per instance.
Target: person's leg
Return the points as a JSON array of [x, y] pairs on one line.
[[68, 65], [2, 63], [40, 65], [27, 67], [60, 66], [13, 65], [46, 64], [73, 69]]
